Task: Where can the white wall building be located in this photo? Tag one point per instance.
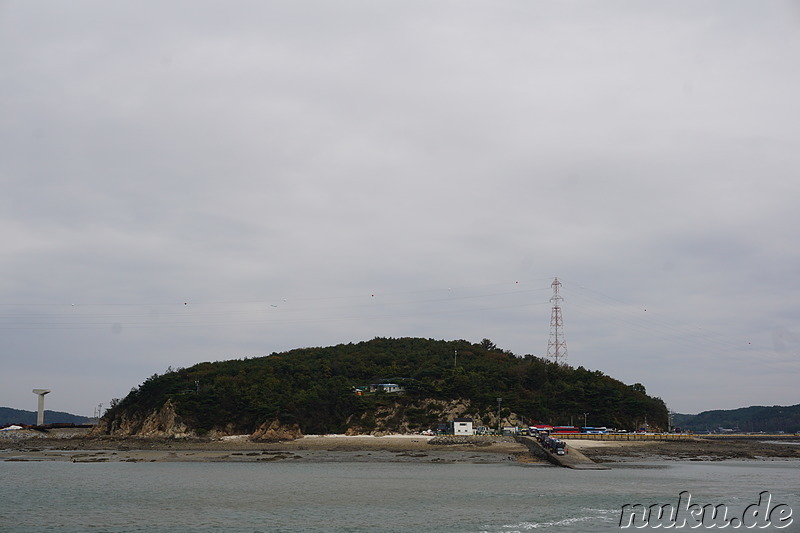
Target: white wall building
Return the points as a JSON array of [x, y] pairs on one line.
[[462, 426], [385, 387]]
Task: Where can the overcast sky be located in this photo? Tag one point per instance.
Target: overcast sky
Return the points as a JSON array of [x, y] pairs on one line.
[[188, 181]]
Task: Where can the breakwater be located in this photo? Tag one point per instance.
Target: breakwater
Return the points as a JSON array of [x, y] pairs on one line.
[[572, 459]]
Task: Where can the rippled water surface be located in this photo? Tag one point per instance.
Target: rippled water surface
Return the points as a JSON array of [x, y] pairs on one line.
[[361, 497]]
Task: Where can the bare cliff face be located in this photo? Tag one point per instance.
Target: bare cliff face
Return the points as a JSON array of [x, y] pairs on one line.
[[393, 417], [274, 431], [419, 415], [164, 423]]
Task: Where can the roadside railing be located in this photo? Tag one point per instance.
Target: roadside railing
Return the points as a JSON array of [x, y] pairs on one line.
[[624, 436]]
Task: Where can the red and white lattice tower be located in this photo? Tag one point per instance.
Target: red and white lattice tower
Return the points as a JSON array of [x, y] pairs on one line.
[[557, 346]]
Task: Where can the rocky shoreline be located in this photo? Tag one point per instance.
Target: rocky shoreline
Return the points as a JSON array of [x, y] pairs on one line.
[[698, 449], [79, 447], [328, 448]]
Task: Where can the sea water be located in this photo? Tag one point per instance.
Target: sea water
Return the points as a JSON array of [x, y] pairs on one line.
[[367, 497]]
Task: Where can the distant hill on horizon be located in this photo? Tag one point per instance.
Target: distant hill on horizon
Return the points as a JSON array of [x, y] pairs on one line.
[[753, 419], [19, 416]]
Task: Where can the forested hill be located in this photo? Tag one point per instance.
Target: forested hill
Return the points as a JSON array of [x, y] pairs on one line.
[[18, 416], [314, 389], [752, 419]]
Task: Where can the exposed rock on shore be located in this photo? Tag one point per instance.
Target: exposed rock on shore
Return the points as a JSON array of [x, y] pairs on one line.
[[411, 416], [163, 423], [329, 448], [461, 440], [275, 432], [692, 450]]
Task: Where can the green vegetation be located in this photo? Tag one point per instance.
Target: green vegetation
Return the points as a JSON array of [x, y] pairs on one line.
[[313, 387], [18, 416], [746, 419]]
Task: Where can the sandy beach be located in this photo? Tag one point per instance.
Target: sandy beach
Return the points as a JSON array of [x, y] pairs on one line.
[[311, 448], [76, 446]]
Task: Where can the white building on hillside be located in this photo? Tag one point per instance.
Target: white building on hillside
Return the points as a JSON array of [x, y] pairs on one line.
[[385, 387], [462, 426]]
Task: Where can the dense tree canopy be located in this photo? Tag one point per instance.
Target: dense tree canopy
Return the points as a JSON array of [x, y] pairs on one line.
[[314, 387], [746, 419]]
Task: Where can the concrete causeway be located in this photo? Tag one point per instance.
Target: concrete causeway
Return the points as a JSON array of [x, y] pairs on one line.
[[572, 459]]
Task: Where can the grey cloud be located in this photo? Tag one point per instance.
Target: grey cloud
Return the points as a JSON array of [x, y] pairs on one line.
[[228, 157]]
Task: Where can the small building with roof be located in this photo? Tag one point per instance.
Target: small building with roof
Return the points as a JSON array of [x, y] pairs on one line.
[[462, 426], [385, 387]]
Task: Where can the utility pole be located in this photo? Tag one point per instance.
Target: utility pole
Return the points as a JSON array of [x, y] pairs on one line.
[[499, 430], [584, 419], [557, 345], [455, 357]]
